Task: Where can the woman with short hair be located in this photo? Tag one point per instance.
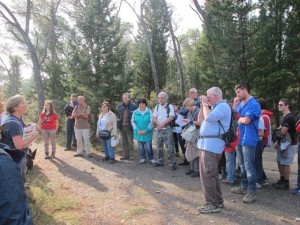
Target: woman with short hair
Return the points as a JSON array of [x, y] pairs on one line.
[[107, 122], [13, 129]]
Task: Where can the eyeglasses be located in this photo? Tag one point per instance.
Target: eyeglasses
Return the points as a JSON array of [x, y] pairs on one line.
[[280, 104], [192, 92]]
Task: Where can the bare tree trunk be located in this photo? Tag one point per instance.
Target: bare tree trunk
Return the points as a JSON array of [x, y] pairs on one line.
[[148, 44], [177, 57], [26, 40]]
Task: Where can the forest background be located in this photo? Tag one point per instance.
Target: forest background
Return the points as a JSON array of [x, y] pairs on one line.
[[84, 47]]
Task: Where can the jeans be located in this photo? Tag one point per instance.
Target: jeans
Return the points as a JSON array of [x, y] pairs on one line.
[[259, 162], [246, 161], [70, 133], [145, 146], [230, 166], [108, 150], [85, 134], [298, 179]]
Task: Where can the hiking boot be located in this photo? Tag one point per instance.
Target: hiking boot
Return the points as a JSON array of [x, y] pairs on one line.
[[208, 209], [250, 197], [89, 155], [189, 172], [184, 163], [112, 161], [105, 159], [282, 185], [296, 191], [195, 174], [158, 164], [78, 155], [221, 205], [239, 190], [47, 157], [278, 182], [124, 158], [265, 182], [227, 182]]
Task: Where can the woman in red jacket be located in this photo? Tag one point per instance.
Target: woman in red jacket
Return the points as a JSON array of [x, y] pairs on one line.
[[48, 124]]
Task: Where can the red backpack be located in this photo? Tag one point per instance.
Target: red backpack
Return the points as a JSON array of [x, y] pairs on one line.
[[298, 126]]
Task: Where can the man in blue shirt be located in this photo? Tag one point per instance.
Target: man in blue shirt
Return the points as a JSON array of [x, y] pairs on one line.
[[211, 145], [249, 110]]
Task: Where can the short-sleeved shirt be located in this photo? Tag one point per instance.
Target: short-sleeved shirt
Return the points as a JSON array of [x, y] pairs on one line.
[[49, 121], [160, 112], [82, 123], [210, 127], [289, 121], [249, 132], [261, 126], [12, 128]]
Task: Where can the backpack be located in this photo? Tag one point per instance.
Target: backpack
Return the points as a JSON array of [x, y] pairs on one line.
[[167, 107], [270, 142], [231, 134], [297, 126]]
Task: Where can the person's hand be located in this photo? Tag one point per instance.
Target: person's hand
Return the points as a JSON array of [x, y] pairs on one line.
[[160, 126], [185, 120], [204, 99], [236, 100], [276, 145]]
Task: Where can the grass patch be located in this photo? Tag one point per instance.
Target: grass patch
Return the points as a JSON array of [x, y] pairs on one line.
[[134, 211], [49, 204], [140, 192]]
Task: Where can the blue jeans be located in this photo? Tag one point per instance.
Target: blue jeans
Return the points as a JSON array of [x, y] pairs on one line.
[[230, 166], [145, 146], [246, 161], [70, 133], [298, 179], [259, 162], [108, 150]]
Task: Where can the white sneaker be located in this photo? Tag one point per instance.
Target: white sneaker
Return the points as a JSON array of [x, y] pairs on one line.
[[153, 161], [142, 161], [258, 186]]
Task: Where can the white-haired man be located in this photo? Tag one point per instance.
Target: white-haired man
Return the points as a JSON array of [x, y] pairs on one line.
[[163, 114]]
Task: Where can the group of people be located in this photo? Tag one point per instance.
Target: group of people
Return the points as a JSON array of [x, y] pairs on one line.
[[206, 118]]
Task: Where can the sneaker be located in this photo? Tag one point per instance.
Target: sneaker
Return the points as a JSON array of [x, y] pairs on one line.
[[78, 155], [208, 209], [124, 158], [190, 172], [47, 157], [142, 161], [152, 161], [250, 197], [195, 174], [258, 186], [158, 164], [112, 161], [68, 149], [238, 190], [265, 182], [228, 182], [172, 167], [296, 191], [221, 205], [278, 182], [282, 185]]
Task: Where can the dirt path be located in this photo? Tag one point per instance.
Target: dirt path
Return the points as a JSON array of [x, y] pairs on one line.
[[129, 193]]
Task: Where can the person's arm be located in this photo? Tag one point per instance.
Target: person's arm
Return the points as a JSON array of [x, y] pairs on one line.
[[57, 124], [74, 113], [39, 125], [22, 144], [206, 110], [114, 122], [244, 120], [133, 124]]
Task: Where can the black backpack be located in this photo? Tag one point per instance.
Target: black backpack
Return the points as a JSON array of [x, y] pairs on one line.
[[231, 134], [167, 107]]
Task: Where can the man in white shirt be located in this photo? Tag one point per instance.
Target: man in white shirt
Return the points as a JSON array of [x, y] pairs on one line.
[[163, 114]]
